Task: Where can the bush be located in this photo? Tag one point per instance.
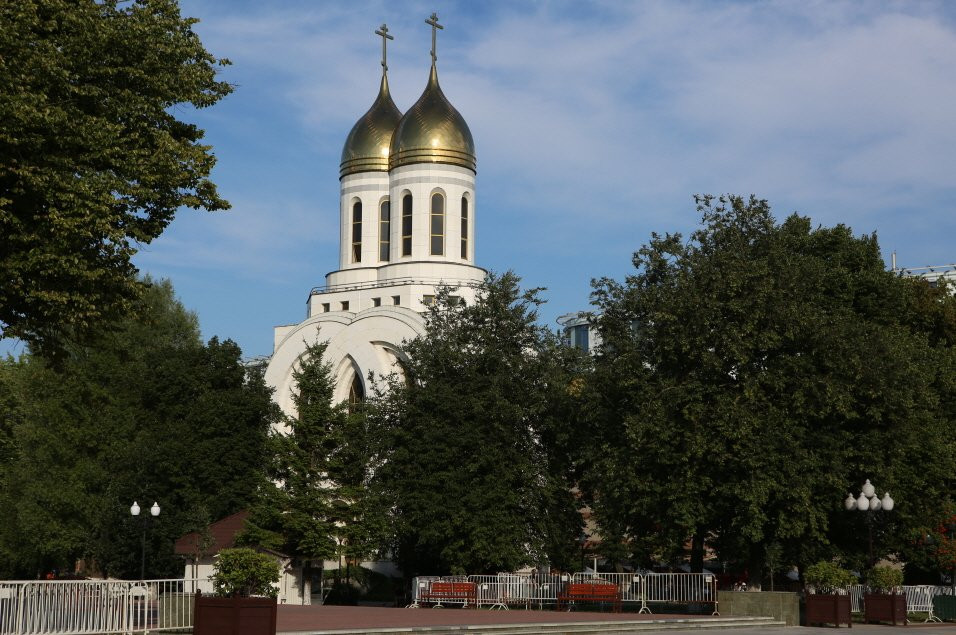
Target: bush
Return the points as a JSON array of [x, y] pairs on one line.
[[245, 572], [827, 577], [884, 579]]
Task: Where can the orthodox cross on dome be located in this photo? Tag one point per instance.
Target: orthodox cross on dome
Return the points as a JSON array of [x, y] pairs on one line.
[[383, 31], [433, 21]]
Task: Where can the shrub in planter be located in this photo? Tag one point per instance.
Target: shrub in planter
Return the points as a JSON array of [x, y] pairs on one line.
[[245, 572], [827, 600], [881, 602], [884, 579], [244, 580], [827, 578]]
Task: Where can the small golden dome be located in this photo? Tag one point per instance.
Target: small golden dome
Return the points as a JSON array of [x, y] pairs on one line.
[[432, 131], [367, 146]]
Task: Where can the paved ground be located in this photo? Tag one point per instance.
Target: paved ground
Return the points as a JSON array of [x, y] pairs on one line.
[[858, 629], [303, 619]]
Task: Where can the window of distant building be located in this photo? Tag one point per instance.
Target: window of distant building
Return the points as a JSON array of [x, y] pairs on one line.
[[384, 230], [356, 394], [578, 336], [438, 225], [407, 225], [357, 231], [464, 227]]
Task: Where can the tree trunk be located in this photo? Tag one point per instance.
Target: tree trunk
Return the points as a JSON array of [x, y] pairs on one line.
[[307, 583], [755, 568], [697, 551]]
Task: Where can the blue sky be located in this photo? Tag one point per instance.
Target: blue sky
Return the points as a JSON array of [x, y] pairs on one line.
[[595, 124]]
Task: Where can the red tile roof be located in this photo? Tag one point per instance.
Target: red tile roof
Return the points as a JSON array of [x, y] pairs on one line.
[[223, 536]]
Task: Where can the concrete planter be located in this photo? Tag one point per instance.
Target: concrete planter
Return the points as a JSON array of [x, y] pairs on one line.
[[884, 607], [780, 605], [234, 615], [828, 609]]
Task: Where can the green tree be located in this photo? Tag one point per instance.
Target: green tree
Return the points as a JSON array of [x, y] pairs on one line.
[[751, 375], [148, 413], [93, 160], [313, 505], [470, 469]]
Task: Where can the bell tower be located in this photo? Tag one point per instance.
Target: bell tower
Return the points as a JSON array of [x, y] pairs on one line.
[[407, 228]]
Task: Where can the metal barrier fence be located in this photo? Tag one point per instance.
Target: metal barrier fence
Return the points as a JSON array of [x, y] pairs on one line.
[[518, 589], [527, 589], [92, 607], [919, 598]]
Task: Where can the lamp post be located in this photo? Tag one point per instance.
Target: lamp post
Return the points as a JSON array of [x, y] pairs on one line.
[[154, 512], [868, 501]]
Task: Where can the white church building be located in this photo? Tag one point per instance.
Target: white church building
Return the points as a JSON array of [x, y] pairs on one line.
[[407, 209]]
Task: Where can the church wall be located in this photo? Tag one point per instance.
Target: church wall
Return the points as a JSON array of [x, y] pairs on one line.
[[357, 344], [370, 188], [421, 180]]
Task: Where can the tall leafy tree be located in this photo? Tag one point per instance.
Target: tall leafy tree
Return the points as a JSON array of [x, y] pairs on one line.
[[469, 469], [93, 159], [149, 413], [313, 505], [753, 374]]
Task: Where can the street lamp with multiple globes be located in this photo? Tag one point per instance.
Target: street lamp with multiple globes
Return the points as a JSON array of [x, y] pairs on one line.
[[869, 501], [154, 511]]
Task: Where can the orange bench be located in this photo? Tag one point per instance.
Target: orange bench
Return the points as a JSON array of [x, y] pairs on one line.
[[590, 592], [452, 591]]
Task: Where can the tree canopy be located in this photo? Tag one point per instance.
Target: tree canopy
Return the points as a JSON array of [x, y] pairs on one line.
[[312, 504], [148, 413], [470, 468], [750, 375], [93, 160]]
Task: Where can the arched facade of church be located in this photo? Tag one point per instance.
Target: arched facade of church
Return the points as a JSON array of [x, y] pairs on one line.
[[407, 227]]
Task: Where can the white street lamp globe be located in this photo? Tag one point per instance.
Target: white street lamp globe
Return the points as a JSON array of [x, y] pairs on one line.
[[134, 510], [154, 510], [887, 502], [850, 502], [863, 503], [875, 503], [868, 489]]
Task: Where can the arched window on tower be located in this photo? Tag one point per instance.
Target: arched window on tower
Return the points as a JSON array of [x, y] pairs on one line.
[[407, 225], [356, 394], [384, 230], [357, 231], [438, 225], [464, 227]]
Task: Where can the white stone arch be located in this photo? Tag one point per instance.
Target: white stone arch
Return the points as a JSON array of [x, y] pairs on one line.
[[392, 359], [288, 353], [344, 374], [362, 340]]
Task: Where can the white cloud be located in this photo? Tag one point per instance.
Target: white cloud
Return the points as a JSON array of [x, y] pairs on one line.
[[598, 120]]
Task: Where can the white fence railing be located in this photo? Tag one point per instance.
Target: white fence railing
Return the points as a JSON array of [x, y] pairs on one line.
[[92, 607], [919, 598], [528, 589]]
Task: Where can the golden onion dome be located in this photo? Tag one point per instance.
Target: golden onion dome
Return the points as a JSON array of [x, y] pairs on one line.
[[432, 131], [367, 146]]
